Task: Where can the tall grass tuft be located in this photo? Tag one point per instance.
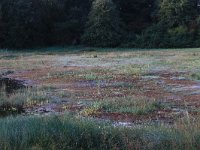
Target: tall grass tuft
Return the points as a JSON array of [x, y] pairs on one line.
[[15, 103], [135, 105]]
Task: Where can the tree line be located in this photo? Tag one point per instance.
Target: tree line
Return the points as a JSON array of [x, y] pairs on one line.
[[99, 23]]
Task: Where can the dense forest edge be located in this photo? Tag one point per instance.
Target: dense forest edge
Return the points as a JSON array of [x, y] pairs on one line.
[[99, 23]]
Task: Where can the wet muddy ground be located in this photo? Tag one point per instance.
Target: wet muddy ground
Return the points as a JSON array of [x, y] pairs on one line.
[[74, 82]]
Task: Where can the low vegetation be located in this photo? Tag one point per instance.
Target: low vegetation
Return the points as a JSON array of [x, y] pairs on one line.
[[103, 99], [67, 132], [17, 102], [196, 76], [134, 105]]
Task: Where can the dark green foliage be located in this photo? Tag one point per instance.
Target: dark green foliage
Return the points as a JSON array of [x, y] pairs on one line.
[[177, 12], [103, 28], [70, 20], [151, 37], [133, 23], [136, 14], [160, 36], [175, 26], [29, 23]]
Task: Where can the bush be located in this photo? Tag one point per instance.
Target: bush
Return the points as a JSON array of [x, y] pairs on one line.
[[179, 37], [152, 37], [161, 36]]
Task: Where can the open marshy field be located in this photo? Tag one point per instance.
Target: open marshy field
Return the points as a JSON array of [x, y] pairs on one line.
[[100, 99]]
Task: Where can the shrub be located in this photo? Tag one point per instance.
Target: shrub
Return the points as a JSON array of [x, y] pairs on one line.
[[152, 37]]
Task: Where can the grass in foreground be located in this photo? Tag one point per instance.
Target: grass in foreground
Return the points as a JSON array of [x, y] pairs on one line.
[[67, 132]]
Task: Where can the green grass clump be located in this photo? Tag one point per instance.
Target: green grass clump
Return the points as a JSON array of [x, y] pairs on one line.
[[96, 76], [196, 76], [136, 69], [91, 76], [16, 102], [135, 105]]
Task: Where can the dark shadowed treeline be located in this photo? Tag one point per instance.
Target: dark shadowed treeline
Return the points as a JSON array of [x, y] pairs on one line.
[[29, 23], [101, 23]]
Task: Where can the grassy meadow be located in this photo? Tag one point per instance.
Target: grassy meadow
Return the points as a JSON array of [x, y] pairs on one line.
[[92, 98]]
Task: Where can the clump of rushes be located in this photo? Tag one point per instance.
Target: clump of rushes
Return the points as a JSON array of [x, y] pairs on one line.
[[135, 105], [15, 103]]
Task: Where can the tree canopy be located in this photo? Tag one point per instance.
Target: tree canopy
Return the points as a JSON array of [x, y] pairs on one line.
[[102, 23], [104, 27]]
